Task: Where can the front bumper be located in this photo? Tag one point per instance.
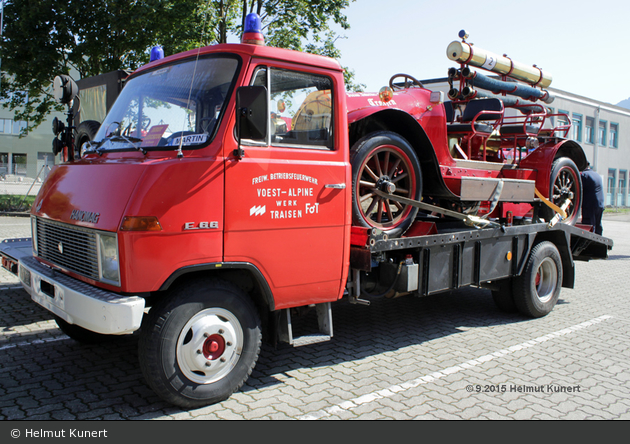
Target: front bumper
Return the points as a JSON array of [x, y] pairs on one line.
[[79, 303]]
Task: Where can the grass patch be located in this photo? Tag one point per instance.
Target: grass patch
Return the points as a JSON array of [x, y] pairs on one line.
[[617, 210], [10, 202]]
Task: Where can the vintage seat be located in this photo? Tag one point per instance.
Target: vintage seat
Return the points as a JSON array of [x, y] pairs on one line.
[[475, 116], [517, 130], [478, 121]]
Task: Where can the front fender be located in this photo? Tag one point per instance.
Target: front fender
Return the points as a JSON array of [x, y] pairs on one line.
[[429, 142]]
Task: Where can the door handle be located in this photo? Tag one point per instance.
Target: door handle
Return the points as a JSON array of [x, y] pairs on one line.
[[336, 186]]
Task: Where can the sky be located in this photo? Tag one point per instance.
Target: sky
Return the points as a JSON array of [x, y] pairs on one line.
[[581, 43]]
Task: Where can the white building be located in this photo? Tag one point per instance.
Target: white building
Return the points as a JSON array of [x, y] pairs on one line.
[[29, 155]]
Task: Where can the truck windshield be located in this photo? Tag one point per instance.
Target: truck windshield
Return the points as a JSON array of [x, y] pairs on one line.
[[179, 104]]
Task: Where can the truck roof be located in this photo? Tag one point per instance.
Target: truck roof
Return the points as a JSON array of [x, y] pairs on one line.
[[249, 50]]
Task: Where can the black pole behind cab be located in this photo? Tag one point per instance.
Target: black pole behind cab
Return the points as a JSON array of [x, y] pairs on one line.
[[251, 115], [65, 90]]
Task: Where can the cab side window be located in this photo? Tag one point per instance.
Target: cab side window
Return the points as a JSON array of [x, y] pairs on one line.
[[301, 109]]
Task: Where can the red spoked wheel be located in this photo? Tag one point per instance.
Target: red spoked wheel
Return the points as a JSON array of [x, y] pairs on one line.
[[384, 161], [565, 183]]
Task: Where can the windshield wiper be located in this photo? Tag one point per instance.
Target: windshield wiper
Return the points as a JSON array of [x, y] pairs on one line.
[[129, 139], [133, 141]]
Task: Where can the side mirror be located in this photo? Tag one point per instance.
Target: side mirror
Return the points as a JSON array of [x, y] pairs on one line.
[[252, 112], [64, 89]]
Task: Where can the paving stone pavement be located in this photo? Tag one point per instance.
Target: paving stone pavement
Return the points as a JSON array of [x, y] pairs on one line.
[[451, 356]]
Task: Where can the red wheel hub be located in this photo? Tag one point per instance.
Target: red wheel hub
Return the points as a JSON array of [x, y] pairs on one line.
[[213, 347]]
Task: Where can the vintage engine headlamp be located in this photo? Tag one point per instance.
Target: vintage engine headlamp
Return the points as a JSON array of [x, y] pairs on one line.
[[108, 258], [386, 94], [532, 143]]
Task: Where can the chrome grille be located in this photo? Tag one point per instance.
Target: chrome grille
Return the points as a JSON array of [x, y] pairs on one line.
[[70, 247]]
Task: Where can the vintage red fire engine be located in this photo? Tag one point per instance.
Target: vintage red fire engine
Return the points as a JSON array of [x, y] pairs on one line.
[[232, 183]]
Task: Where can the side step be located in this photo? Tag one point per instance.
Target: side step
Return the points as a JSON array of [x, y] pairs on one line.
[[324, 321]]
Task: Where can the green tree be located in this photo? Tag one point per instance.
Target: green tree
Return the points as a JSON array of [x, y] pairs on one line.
[[95, 37], [41, 42]]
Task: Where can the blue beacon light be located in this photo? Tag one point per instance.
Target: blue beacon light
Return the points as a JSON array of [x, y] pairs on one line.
[[253, 30], [157, 53]]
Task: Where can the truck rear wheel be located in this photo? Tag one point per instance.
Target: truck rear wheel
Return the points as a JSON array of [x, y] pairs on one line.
[[537, 289], [384, 161], [200, 344]]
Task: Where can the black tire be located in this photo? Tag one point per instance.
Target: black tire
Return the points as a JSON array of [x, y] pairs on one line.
[[189, 346], [85, 132], [564, 182], [503, 297], [82, 335], [537, 289], [379, 159]]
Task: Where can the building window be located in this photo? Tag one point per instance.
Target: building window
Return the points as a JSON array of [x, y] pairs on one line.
[[577, 127], [614, 134], [588, 130], [22, 97], [621, 193], [601, 133], [11, 127], [4, 164], [5, 126], [19, 164], [610, 188], [19, 127]]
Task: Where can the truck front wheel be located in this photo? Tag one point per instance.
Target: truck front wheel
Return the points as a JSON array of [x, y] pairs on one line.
[[384, 161], [537, 289], [200, 345]]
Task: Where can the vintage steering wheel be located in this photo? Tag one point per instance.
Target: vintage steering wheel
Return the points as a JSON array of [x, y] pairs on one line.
[[409, 81], [146, 122]]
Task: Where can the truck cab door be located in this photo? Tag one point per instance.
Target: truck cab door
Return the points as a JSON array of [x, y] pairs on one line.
[[287, 202]]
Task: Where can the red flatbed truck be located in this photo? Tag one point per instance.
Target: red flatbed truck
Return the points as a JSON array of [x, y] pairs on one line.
[[231, 185]]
